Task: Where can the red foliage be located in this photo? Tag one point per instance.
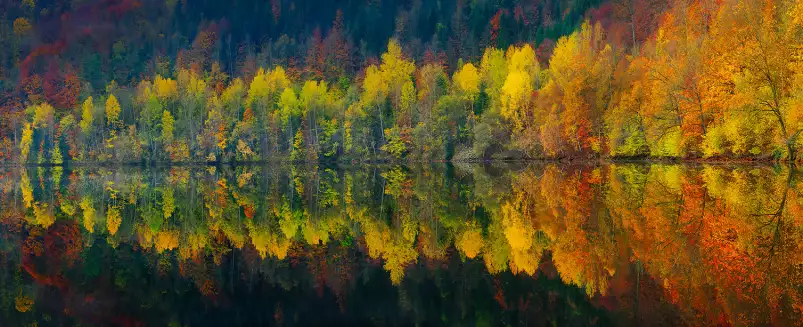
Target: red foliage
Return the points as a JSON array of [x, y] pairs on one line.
[[248, 114], [520, 16], [61, 88], [63, 241], [11, 114], [43, 50], [249, 211], [499, 295], [495, 21], [544, 50], [120, 8], [439, 58], [337, 50], [32, 85], [315, 56]]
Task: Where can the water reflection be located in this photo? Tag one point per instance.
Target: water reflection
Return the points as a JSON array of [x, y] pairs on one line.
[[544, 244]]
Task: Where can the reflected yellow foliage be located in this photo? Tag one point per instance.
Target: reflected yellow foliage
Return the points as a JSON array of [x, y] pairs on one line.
[[88, 213], [688, 228]]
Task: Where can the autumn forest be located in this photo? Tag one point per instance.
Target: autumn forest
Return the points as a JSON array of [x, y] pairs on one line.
[[401, 163], [147, 81]]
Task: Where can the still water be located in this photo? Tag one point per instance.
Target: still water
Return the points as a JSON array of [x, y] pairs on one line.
[[474, 245]]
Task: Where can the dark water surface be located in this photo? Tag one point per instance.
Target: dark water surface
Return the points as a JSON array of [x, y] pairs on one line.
[[472, 245]]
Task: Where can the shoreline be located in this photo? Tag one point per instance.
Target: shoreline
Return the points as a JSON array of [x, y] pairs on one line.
[[562, 161]]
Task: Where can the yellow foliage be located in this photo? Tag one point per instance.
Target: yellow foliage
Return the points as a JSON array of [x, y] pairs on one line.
[[167, 127], [522, 59], [516, 94], [375, 87], [87, 115], [470, 242], [22, 26], [43, 115], [89, 213], [395, 69], [166, 88], [23, 303], [493, 68], [166, 240], [43, 217], [25, 142], [67, 207], [113, 219], [467, 79], [168, 202], [113, 112], [27, 189]]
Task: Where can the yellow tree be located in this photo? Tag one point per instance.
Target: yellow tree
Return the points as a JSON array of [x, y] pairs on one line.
[[683, 103], [757, 45], [168, 127], [87, 117], [493, 69], [166, 89], [113, 121], [25, 143], [288, 109], [113, 113], [625, 128], [516, 99], [467, 82], [313, 99], [43, 116], [21, 27], [375, 90], [396, 71], [577, 93], [517, 90], [388, 80], [43, 120], [263, 93]]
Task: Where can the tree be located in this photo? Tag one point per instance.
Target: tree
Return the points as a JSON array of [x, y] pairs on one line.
[[493, 69], [150, 116], [467, 79], [25, 143], [166, 89], [288, 109], [577, 93], [375, 88], [746, 39], [43, 116], [168, 128], [113, 113], [516, 95], [263, 94], [22, 27], [87, 116], [396, 71]]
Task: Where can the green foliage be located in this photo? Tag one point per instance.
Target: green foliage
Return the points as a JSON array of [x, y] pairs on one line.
[[396, 142]]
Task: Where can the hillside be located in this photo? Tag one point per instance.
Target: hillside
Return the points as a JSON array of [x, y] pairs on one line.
[[149, 81]]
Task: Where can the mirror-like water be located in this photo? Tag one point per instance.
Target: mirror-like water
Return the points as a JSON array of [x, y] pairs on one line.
[[544, 244]]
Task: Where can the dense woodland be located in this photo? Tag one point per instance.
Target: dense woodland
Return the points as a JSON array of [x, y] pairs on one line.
[[658, 244], [203, 81]]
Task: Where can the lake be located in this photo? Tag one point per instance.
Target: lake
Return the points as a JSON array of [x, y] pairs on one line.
[[476, 245]]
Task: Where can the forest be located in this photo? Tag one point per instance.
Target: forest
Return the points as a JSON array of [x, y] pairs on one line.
[[138, 81]]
